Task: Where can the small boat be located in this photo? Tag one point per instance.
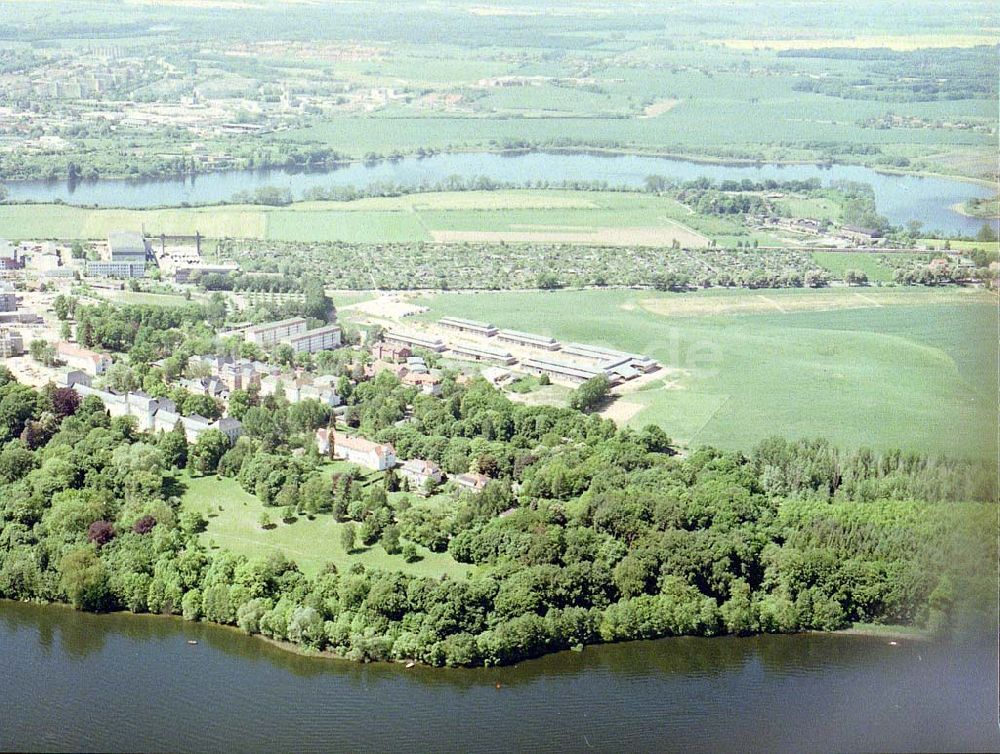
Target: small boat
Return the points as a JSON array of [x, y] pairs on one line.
[[192, 641], [411, 664], [893, 643]]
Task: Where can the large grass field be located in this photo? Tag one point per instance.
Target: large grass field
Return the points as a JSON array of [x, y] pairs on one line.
[[418, 217], [234, 524], [878, 367]]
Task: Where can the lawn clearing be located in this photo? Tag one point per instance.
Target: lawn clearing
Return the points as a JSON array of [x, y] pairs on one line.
[[310, 543]]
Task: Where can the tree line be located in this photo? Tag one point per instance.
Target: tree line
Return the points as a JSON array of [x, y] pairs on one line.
[[586, 534]]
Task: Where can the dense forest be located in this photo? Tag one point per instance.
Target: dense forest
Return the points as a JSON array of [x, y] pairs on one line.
[[586, 534]]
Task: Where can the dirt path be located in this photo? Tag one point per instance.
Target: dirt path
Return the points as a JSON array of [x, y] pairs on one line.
[[620, 410]]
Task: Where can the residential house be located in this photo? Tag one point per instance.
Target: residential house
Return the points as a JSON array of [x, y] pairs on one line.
[[472, 481], [429, 384], [419, 471], [371, 455], [75, 357]]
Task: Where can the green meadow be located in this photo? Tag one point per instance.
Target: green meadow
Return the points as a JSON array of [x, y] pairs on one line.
[[877, 367], [234, 524]]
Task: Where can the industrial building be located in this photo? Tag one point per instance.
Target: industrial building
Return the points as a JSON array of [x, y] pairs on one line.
[[126, 256], [575, 373], [612, 361]]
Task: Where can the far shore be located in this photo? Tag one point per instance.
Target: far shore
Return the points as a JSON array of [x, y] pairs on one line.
[[961, 209]]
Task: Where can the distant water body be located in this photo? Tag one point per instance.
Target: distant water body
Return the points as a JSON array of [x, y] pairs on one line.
[[900, 198], [79, 682]]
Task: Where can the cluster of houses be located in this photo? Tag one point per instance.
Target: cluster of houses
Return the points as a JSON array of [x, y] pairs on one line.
[[411, 370], [151, 414], [227, 373], [382, 457]]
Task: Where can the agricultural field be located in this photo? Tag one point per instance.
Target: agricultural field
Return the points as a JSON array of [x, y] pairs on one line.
[[234, 524], [606, 218], [65, 222], [878, 367]]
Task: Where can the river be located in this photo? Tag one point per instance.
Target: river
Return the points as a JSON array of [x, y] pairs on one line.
[[900, 198], [74, 681]]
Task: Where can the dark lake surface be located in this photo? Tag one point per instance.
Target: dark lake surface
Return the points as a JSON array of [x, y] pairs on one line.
[[900, 198], [74, 681]]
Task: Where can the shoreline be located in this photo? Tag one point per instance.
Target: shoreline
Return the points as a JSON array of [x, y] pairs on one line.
[[887, 631], [961, 209], [893, 632], [696, 158]]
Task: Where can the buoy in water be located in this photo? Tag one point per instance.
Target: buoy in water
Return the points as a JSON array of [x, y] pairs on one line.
[[498, 685]]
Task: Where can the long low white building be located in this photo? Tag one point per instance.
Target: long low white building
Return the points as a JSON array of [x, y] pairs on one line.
[[485, 329], [529, 339], [76, 357], [482, 353], [561, 370], [414, 340], [610, 358]]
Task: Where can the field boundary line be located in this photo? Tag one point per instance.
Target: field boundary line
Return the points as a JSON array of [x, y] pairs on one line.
[[678, 224], [729, 397], [773, 303], [871, 301]]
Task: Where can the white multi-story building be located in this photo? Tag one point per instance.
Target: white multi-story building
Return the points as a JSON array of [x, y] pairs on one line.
[[8, 298], [75, 357], [270, 334], [312, 341], [371, 455], [11, 343]]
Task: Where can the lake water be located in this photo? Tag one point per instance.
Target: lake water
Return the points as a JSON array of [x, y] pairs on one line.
[[899, 198], [74, 681]]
